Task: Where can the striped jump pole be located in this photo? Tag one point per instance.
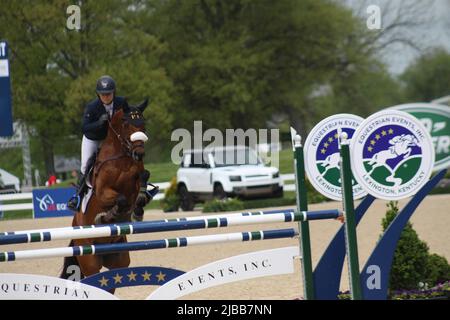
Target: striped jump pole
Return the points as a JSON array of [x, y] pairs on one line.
[[162, 226], [241, 214], [147, 245]]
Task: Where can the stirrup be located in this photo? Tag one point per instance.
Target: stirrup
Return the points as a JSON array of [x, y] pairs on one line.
[[153, 192], [74, 203]]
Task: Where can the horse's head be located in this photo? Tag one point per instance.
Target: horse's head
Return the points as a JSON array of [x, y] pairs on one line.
[[129, 124]]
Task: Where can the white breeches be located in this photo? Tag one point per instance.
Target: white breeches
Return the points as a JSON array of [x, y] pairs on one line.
[[88, 147]]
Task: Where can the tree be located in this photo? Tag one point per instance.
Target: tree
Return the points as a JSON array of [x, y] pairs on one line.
[[54, 69], [361, 90], [428, 77], [240, 61]]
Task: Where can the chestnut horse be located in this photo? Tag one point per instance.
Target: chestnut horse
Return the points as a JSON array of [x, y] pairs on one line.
[[117, 177]]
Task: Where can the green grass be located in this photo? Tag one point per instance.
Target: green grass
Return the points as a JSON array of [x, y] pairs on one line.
[[287, 200], [19, 214], [161, 172], [286, 161]]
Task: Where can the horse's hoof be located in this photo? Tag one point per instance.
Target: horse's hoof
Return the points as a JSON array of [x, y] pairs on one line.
[[142, 200], [98, 218], [136, 218]]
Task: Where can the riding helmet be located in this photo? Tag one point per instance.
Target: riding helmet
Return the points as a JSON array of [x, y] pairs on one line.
[[105, 84]]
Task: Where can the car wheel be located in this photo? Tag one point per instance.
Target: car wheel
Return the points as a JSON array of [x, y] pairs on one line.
[[279, 193], [186, 201], [219, 192]]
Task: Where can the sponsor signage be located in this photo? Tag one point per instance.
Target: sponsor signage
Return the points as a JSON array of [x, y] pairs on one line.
[[322, 155], [6, 124], [436, 119], [51, 203], [246, 266], [392, 155], [36, 287]]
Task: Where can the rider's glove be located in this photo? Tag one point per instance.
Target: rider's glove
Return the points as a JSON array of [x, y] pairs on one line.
[[103, 118]]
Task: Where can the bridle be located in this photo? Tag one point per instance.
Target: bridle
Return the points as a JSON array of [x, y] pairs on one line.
[[127, 147], [126, 144]]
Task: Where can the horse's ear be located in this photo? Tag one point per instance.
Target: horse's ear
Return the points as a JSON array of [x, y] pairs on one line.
[[143, 105]]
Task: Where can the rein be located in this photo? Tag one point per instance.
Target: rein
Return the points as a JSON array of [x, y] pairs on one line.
[[125, 144]]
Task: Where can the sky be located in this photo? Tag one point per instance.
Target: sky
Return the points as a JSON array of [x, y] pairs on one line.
[[436, 33]]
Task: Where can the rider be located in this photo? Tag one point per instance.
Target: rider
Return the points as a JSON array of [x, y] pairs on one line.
[[95, 128]]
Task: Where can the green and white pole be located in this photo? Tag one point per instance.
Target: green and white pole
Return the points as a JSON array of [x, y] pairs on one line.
[[302, 205], [350, 221]]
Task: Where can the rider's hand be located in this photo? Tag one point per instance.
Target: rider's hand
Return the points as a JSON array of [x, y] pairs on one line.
[[103, 118]]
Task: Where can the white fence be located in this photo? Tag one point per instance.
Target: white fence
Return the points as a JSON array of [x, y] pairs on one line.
[[28, 205]]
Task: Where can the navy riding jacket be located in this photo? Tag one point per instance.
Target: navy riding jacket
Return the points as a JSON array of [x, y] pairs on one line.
[[93, 128]]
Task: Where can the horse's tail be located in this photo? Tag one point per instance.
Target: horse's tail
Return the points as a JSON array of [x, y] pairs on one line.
[[68, 262]]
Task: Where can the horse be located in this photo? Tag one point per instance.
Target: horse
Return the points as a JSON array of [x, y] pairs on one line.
[[400, 146], [330, 162], [117, 178]]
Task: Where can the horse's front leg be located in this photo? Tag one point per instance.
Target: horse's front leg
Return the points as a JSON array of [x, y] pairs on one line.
[[118, 207], [143, 197]]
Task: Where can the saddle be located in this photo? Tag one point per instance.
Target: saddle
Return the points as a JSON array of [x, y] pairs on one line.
[[90, 169]]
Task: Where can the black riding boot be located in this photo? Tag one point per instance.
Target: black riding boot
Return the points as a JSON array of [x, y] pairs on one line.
[[75, 202]]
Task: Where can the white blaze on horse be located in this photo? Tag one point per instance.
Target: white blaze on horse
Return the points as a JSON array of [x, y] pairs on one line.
[[400, 146]]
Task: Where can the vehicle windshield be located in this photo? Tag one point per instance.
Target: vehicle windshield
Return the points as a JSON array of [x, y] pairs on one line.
[[234, 157]]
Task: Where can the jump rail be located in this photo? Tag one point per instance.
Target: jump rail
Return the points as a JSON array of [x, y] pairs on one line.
[[147, 245], [161, 226]]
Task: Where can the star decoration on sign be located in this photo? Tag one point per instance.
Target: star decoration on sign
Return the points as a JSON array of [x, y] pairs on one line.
[[132, 276], [378, 137], [103, 282], [327, 144], [117, 278], [146, 276], [161, 276]]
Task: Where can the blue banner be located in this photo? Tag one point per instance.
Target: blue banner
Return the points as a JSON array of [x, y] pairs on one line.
[[6, 123], [51, 203]]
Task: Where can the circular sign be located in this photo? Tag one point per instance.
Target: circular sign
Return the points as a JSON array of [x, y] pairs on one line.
[[322, 155], [392, 155]]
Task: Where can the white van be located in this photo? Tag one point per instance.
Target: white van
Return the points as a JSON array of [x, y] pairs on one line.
[[8, 182]]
